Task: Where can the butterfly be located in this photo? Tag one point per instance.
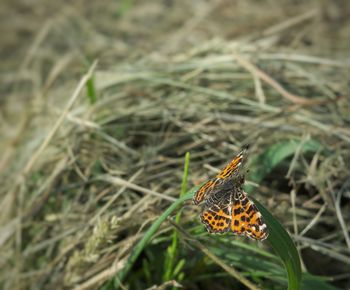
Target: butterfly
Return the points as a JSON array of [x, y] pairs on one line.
[[226, 205]]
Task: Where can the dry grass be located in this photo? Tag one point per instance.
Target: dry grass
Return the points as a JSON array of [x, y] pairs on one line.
[[82, 180]]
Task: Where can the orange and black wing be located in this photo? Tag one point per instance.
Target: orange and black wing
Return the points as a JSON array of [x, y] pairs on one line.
[[233, 166], [205, 190], [246, 219], [217, 217]]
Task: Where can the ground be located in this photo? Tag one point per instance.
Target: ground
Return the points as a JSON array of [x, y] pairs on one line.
[[100, 101]]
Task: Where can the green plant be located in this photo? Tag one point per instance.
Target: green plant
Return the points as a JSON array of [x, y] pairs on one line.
[[171, 266]]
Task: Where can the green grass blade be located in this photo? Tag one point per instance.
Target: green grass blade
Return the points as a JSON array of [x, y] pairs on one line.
[[284, 246], [171, 252], [311, 282], [124, 7], [91, 91], [185, 174]]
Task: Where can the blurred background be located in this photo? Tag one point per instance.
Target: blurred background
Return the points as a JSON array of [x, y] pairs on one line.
[[87, 164]]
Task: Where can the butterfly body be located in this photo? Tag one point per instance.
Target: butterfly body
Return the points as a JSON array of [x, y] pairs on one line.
[[226, 205]]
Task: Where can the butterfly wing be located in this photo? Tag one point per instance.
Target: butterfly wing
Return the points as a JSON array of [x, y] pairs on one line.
[[205, 190], [232, 167], [217, 217], [246, 219]]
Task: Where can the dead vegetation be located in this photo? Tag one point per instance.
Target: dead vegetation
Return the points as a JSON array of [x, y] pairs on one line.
[[89, 162]]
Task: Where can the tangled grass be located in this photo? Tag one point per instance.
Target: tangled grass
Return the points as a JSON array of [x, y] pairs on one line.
[[89, 165]]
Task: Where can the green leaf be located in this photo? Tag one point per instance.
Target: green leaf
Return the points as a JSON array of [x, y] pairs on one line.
[[311, 282], [284, 246]]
